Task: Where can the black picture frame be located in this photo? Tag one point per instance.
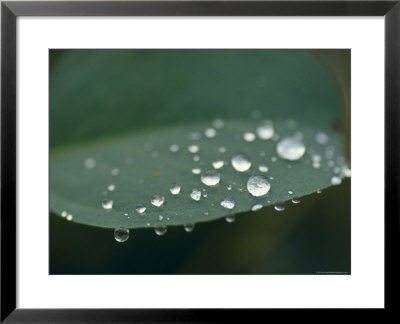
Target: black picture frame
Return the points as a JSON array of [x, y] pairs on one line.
[[9, 13]]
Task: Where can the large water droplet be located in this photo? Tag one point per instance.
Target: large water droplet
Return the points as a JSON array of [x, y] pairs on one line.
[[258, 185], [111, 187], [195, 194], [228, 203], [241, 163], [161, 230], [210, 178], [290, 149], [210, 132], [249, 137], [175, 189], [140, 209], [262, 168], [157, 200], [174, 148], [188, 227], [193, 148], [280, 206], [90, 163], [107, 204], [218, 164], [121, 234], [230, 218], [256, 207], [265, 131]]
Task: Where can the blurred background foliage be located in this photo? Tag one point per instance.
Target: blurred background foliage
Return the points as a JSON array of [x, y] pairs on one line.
[[313, 236]]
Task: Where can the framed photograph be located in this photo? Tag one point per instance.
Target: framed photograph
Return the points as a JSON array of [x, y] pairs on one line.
[[189, 161]]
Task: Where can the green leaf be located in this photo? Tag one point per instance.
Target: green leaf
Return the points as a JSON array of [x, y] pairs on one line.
[[124, 109]]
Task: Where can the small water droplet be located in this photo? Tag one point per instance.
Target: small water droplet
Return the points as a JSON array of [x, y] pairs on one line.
[[115, 171], [196, 171], [195, 194], [346, 171], [266, 131], [222, 149], [157, 200], [210, 178], [290, 149], [258, 185], [230, 218], [140, 209], [331, 164], [319, 191], [290, 192], [336, 180], [249, 137], [316, 158], [196, 158], [316, 165], [296, 200], [210, 132], [175, 189], [336, 170], [206, 213], [161, 230], [218, 123], [228, 203], [64, 213], [229, 187], [280, 206], [69, 217], [194, 136], [241, 163], [174, 148], [193, 148], [262, 153], [256, 114], [256, 207], [274, 159], [107, 204], [121, 234], [148, 146], [188, 227], [263, 168], [90, 163], [160, 217], [218, 164], [321, 138], [275, 137], [111, 187]]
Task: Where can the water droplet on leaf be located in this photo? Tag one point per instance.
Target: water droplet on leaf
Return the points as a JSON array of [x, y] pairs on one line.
[[258, 185], [210, 178], [121, 234], [195, 194], [290, 149], [241, 163], [157, 200], [107, 204], [228, 203]]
